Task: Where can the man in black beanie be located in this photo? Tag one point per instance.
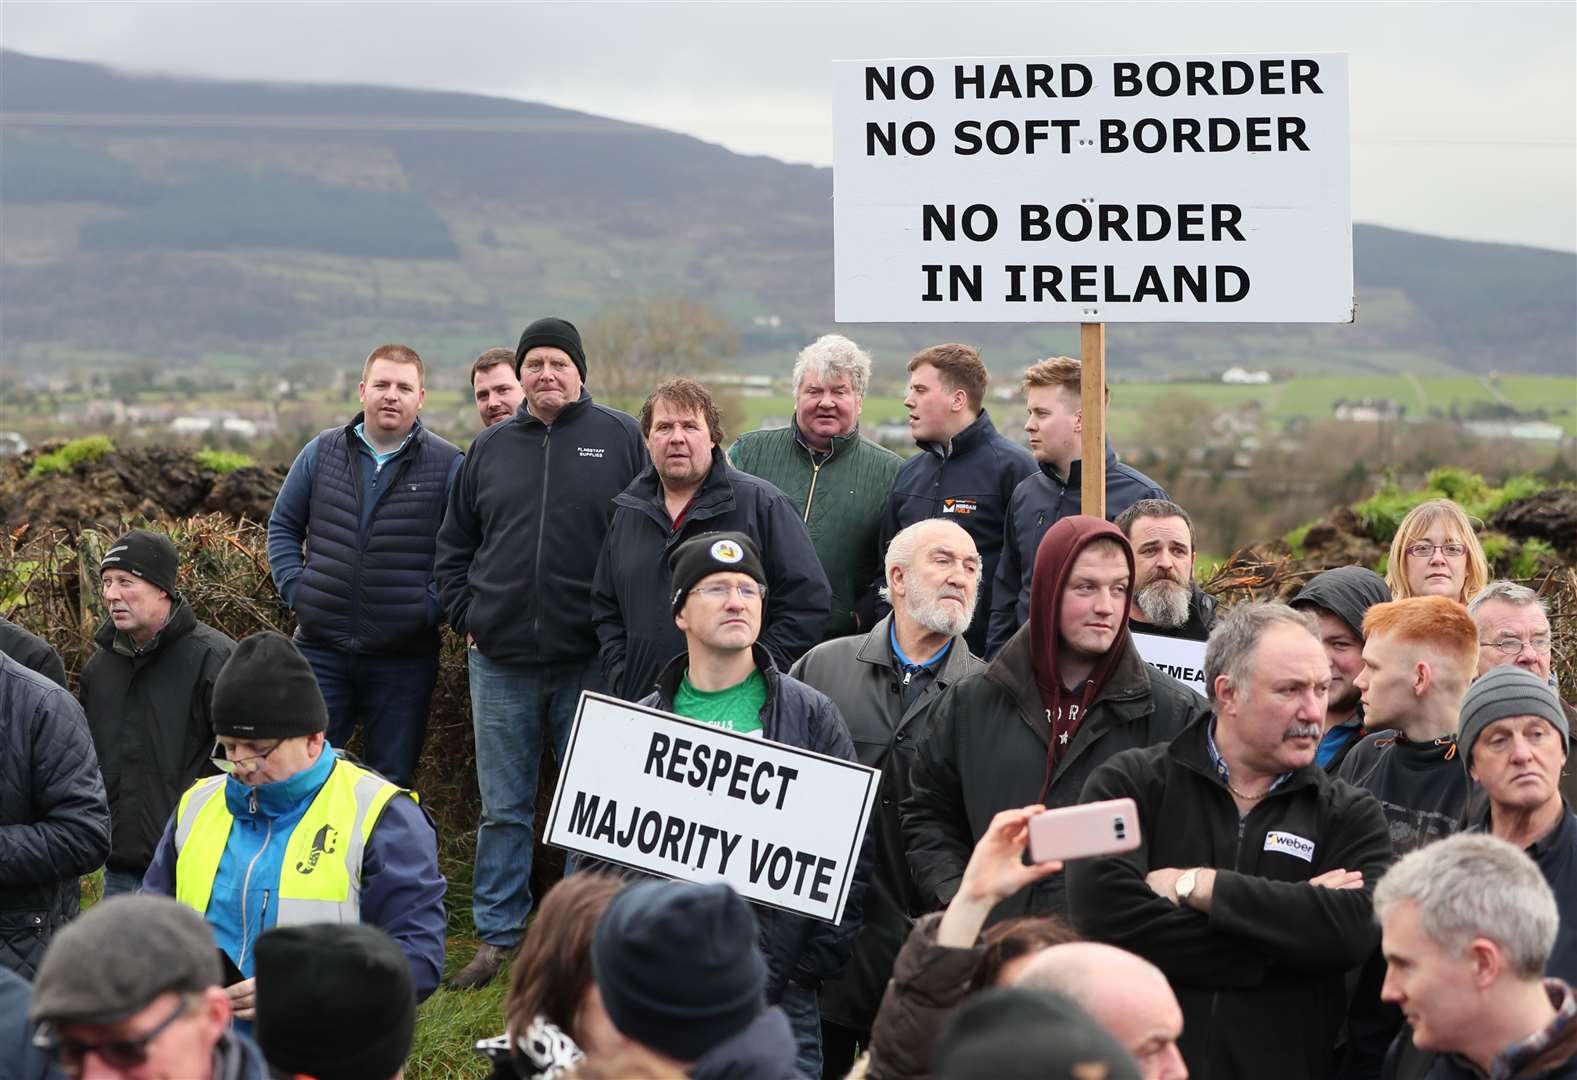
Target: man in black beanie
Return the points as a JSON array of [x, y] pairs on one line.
[[726, 678], [516, 554], [292, 832], [680, 976], [334, 1002], [148, 695]]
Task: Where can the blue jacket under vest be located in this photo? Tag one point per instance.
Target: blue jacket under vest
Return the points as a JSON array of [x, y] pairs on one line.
[[402, 890], [351, 541]]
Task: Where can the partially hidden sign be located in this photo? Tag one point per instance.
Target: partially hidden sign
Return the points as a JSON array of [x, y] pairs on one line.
[[1191, 188], [687, 800], [1181, 658]]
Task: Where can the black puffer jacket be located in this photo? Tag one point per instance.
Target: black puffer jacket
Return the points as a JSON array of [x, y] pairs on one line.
[[151, 715], [632, 593], [1261, 978], [54, 821], [986, 752]]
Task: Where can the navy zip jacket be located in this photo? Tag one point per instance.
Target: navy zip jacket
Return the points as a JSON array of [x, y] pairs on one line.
[[526, 519], [969, 481], [365, 582], [632, 596], [1038, 503]]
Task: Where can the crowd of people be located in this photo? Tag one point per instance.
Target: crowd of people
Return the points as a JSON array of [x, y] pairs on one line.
[[1358, 855]]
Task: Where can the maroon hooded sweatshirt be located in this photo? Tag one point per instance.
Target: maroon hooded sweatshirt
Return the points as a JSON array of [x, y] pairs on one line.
[[1054, 560]]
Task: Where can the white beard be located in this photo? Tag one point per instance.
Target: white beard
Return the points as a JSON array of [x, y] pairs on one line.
[[929, 611], [1165, 603]]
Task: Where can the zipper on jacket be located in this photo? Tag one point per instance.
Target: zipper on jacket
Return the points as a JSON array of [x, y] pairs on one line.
[[246, 882], [815, 474], [542, 518]]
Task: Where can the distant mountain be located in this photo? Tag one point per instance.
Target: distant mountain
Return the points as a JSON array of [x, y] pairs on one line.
[[192, 222]]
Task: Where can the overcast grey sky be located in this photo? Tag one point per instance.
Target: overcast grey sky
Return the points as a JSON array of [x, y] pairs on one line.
[[1464, 116]]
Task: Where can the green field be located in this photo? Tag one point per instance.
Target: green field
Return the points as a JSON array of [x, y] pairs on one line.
[[1311, 397]]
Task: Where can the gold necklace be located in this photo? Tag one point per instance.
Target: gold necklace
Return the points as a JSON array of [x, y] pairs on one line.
[[1248, 798]]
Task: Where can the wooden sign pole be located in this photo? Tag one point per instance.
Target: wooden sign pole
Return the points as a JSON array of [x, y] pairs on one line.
[[1092, 399]]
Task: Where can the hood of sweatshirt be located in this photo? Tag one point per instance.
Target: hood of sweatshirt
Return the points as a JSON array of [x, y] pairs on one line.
[[1054, 560], [1347, 592]]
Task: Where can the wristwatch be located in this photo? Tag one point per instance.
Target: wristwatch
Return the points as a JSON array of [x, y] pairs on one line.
[[1185, 885]]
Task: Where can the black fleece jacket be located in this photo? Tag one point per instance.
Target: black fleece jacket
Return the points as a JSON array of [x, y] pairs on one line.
[[151, 715], [1261, 978], [526, 520], [984, 750], [632, 592]]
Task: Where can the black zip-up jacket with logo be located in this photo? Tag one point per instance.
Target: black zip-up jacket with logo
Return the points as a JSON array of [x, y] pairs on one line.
[[1040, 501], [968, 481], [984, 751], [1261, 978], [632, 595], [527, 517]]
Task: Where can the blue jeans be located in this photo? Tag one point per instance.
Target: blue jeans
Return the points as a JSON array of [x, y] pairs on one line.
[[117, 883], [804, 1013], [389, 696], [514, 708]]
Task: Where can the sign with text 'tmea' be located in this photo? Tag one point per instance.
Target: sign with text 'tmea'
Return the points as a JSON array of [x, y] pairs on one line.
[[1096, 189], [687, 800]]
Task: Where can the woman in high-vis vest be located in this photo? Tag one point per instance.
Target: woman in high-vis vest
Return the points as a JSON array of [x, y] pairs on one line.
[[293, 832]]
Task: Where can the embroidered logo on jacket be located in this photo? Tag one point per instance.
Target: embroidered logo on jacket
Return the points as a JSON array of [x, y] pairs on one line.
[[959, 506], [590, 451], [1289, 844]]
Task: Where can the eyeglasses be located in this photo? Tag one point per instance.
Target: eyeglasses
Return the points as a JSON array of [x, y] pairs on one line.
[[1511, 646], [1423, 549], [116, 1053], [748, 590], [227, 764]]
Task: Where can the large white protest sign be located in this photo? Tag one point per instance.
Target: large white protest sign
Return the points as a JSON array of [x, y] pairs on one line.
[[1101, 189], [1182, 659], [687, 800]]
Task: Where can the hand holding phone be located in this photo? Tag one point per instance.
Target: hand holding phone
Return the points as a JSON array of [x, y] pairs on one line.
[[1077, 832]]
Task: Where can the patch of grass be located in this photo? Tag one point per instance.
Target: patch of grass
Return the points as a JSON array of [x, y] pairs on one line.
[[223, 461], [75, 452], [1382, 513], [1533, 557], [450, 1022], [1296, 537]]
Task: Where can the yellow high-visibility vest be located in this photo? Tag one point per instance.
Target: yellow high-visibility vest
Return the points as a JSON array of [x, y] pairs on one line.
[[320, 879]]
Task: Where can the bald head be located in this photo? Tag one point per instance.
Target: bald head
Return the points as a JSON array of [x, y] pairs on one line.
[[1126, 993]]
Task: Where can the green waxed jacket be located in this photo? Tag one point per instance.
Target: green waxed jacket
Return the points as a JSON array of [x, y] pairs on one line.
[[841, 500]]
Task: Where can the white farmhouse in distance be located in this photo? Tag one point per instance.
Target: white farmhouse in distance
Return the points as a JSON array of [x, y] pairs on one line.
[[1244, 377]]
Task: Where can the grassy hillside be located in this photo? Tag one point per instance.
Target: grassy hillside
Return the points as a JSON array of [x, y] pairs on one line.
[[195, 223]]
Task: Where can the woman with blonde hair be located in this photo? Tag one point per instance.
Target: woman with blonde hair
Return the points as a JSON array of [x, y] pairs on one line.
[[1435, 553]]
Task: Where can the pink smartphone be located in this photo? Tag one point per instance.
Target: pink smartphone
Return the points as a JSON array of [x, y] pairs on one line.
[[1075, 832]]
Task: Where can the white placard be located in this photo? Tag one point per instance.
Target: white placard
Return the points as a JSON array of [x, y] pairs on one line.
[[1181, 658], [1098, 189], [687, 800]]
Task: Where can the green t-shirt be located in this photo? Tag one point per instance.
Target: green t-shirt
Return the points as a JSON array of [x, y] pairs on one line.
[[738, 708]]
